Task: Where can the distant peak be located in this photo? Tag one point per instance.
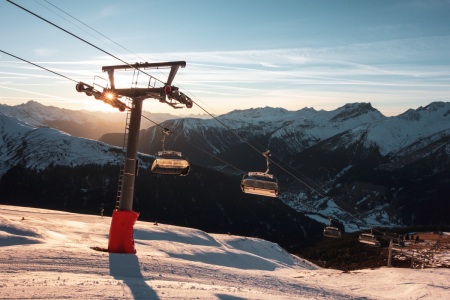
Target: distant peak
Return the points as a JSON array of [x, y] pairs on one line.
[[33, 103], [352, 110], [307, 109], [410, 115], [434, 106], [358, 105], [258, 112]]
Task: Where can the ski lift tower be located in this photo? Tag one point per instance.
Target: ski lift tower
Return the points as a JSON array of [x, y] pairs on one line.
[[123, 219]]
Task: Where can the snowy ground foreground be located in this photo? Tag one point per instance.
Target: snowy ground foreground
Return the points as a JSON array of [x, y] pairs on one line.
[[46, 254]]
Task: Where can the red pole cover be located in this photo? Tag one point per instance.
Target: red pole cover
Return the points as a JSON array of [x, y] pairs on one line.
[[121, 231]]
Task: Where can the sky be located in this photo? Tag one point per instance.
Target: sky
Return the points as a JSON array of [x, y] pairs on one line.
[[239, 54]]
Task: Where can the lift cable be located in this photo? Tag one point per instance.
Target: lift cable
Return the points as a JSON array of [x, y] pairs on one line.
[[119, 60], [260, 152], [321, 194], [214, 156], [227, 127], [205, 151], [218, 158], [36, 65], [86, 25], [81, 39], [206, 111], [319, 190], [195, 146], [131, 66], [254, 148], [157, 124], [46, 69]]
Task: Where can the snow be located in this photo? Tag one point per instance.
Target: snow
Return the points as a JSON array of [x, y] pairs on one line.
[[395, 133], [306, 127], [36, 114], [47, 254], [318, 218], [40, 147]]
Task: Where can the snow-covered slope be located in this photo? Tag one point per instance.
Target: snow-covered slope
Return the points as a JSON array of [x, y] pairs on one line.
[[397, 133], [82, 123], [311, 127], [47, 254], [289, 133], [37, 114], [362, 157], [39, 147]]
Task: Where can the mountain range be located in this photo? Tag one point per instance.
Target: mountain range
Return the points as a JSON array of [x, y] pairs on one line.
[[352, 164], [81, 123]]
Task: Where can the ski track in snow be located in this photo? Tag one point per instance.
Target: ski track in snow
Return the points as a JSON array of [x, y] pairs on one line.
[[46, 254]]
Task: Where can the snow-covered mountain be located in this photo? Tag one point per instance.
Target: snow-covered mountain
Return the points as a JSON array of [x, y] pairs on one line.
[[321, 153], [352, 164], [395, 135], [44, 167], [39, 147], [82, 123], [78, 123], [291, 132]]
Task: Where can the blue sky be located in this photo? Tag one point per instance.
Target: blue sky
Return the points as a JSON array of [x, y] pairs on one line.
[[239, 54]]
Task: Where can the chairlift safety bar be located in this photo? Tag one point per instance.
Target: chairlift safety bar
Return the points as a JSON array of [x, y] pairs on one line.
[[262, 174], [169, 152]]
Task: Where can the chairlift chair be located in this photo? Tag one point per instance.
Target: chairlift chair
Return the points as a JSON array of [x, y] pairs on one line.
[[170, 162], [332, 232], [260, 183], [369, 239]]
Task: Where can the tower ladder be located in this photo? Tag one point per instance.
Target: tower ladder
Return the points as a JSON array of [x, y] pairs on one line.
[[124, 148]]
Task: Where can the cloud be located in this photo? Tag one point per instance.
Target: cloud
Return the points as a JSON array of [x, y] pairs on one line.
[[361, 71], [45, 52], [33, 93], [109, 11]]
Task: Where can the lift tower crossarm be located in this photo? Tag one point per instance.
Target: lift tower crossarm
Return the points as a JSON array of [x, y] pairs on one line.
[[167, 94], [146, 66]]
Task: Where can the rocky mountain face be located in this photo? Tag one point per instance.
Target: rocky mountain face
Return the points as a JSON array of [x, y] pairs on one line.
[[352, 164], [81, 123], [45, 167]]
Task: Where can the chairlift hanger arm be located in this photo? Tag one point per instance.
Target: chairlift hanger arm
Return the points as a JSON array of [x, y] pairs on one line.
[[266, 155], [173, 72]]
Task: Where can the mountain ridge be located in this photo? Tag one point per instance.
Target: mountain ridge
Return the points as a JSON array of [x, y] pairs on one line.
[[82, 123], [340, 163]]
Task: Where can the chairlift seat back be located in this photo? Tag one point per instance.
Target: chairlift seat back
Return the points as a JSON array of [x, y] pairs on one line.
[[369, 239], [332, 232], [260, 184], [170, 163]]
